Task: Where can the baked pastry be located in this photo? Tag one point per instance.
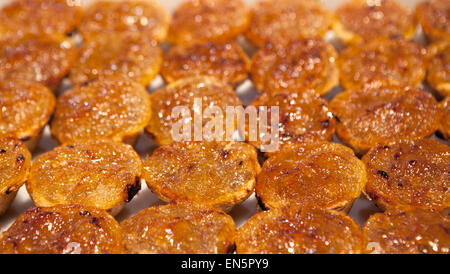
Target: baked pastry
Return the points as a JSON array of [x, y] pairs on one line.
[[438, 67], [433, 16], [26, 109], [407, 232], [215, 174], [369, 116], [131, 55], [65, 229], [15, 162], [444, 128], [200, 21], [359, 20], [42, 59], [326, 175], [99, 173], [382, 61], [146, 18], [38, 17], [297, 66], [109, 108], [288, 230], [179, 229], [226, 61], [304, 117], [281, 21], [409, 174], [189, 92]]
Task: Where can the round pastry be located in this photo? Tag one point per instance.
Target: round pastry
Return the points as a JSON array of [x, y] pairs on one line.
[[65, 229], [109, 108], [15, 162], [214, 174], [281, 21], [381, 62], [407, 232], [195, 93], [131, 55], [298, 66], [39, 17], [225, 61], [359, 20], [370, 116], [179, 229], [409, 174], [444, 129], [300, 175], [292, 231], [26, 108], [439, 67], [433, 15], [304, 117], [200, 21], [42, 59], [99, 173], [146, 18]]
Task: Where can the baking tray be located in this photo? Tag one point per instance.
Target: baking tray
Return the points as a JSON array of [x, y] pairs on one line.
[[361, 210]]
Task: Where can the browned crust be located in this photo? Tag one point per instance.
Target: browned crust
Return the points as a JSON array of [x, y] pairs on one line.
[[273, 21], [409, 174], [297, 66], [150, 19], [407, 232], [382, 62], [444, 128], [199, 21], [109, 108], [356, 21], [438, 61], [226, 61], [432, 15], [99, 173], [218, 175], [302, 175], [179, 228], [70, 229], [369, 116], [289, 230]]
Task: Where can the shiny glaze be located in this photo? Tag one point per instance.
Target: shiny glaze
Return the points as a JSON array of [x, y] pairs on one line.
[[439, 67], [444, 129], [15, 162], [434, 16]]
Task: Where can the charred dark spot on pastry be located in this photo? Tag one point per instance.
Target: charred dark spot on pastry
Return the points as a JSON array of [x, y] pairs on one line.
[[8, 190], [85, 213], [20, 158], [70, 146], [326, 123], [260, 203], [336, 117], [241, 163], [397, 156], [383, 174], [412, 162], [133, 189], [2, 150], [386, 147], [400, 185], [95, 221], [224, 153]]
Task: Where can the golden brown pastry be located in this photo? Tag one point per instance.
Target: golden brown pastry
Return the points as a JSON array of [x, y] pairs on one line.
[[297, 66], [409, 174], [382, 62], [179, 229], [39, 17], [99, 173], [444, 128], [108, 108], [215, 174], [26, 108], [369, 116], [131, 55], [407, 232], [293, 231], [200, 21], [146, 18], [359, 20], [64, 229], [281, 21], [225, 61], [15, 162], [209, 91], [438, 75], [433, 15], [42, 59], [326, 175]]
